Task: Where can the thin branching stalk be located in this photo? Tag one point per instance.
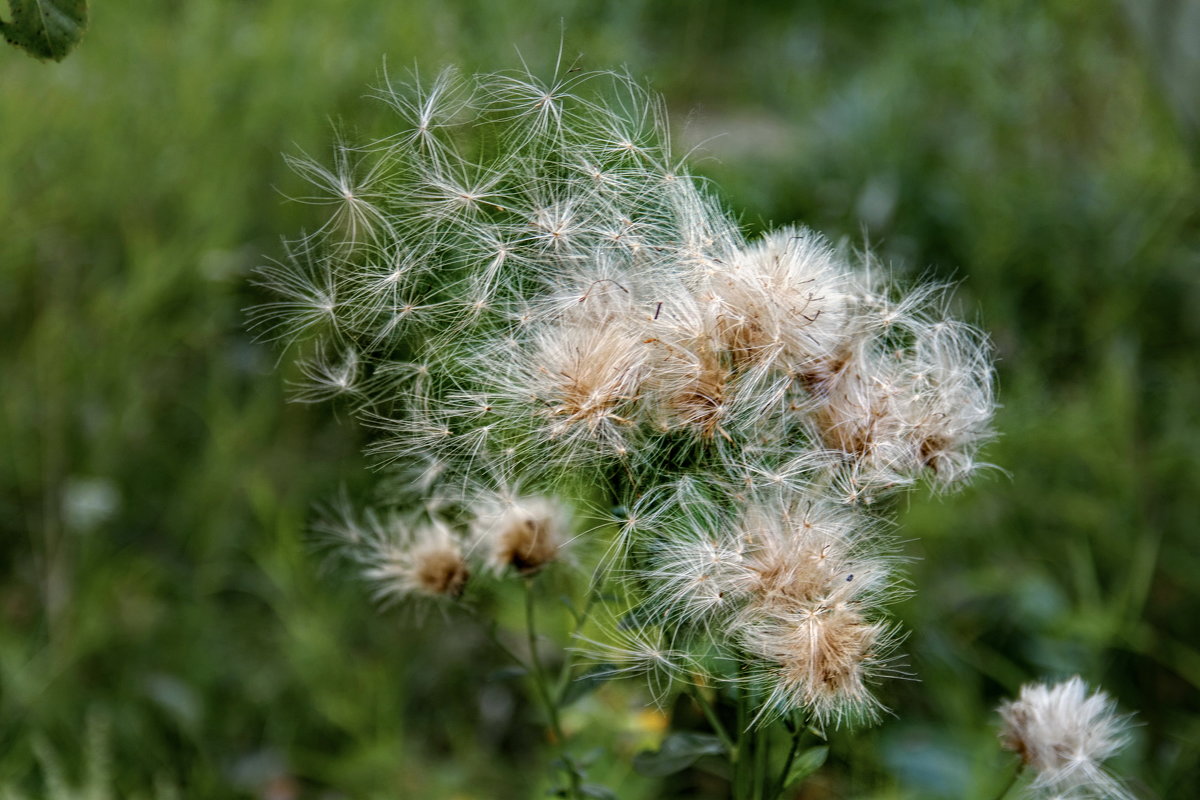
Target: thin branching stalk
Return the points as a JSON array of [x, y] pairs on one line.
[[1010, 783], [714, 721], [796, 733], [549, 697]]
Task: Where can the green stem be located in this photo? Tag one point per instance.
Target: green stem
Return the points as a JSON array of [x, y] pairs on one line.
[[1011, 783], [761, 756], [710, 714], [741, 773], [508, 651], [797, 732], [538, 673], [564, 675]]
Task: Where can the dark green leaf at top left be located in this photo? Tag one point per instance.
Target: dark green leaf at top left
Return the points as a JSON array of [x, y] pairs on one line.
[[45, 28]]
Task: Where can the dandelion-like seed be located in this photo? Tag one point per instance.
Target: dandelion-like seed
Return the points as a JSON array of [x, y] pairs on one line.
[[327, 377], [631, 648], [401, 560], [698, 579], [434, 566], [1065, 735], [782, 301], [522, 533], [524, 287], [352, 190], [815, 588], [820, 658]]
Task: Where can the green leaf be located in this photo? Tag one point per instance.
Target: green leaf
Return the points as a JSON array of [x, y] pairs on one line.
[[678, 752], [507, 673], [597, 791], [586, 683], [45, 28], [806, 764]]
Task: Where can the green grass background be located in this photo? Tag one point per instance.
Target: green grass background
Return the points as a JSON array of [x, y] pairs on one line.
[[164, 618]]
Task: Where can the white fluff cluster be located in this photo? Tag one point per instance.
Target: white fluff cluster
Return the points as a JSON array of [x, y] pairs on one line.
[[525, 281], [401, 560], [792, 581], [1064, 735]]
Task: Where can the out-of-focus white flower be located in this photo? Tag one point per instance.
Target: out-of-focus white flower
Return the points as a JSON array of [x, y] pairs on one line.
[[1064, 735], [525, 533], [398, 559]]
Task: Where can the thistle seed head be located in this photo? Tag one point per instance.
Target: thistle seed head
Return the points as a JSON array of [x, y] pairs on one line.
[[1064, 735], [821, 659], [522, 533], [782, 301], [399, 559], [438, 569], [426, 561], [523, 286]]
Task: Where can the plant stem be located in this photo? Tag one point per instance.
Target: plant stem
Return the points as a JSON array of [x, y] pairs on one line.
[[564, 675], [710, 714], [1011, 783], [490, 630], [538, 673], [740, 772], [761, 754], [797, 732]]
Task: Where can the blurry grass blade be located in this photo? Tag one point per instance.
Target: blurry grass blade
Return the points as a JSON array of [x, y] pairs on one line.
[[46, 28]]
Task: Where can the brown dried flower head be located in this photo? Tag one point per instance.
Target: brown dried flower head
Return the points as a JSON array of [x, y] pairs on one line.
[[438, 569], [401, 560], [524, 533]]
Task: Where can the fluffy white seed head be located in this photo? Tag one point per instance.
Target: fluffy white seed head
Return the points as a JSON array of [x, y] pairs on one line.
[[903, 400], [524, 284], [1064, 735], [948, 400], [798, 584], [400, 559], [816, 583], [521, 533], [587, 377], [822, 659], [782, 301], [858, 410]]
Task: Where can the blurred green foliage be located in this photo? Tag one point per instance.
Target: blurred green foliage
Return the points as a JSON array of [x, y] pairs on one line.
[[155, 485]]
